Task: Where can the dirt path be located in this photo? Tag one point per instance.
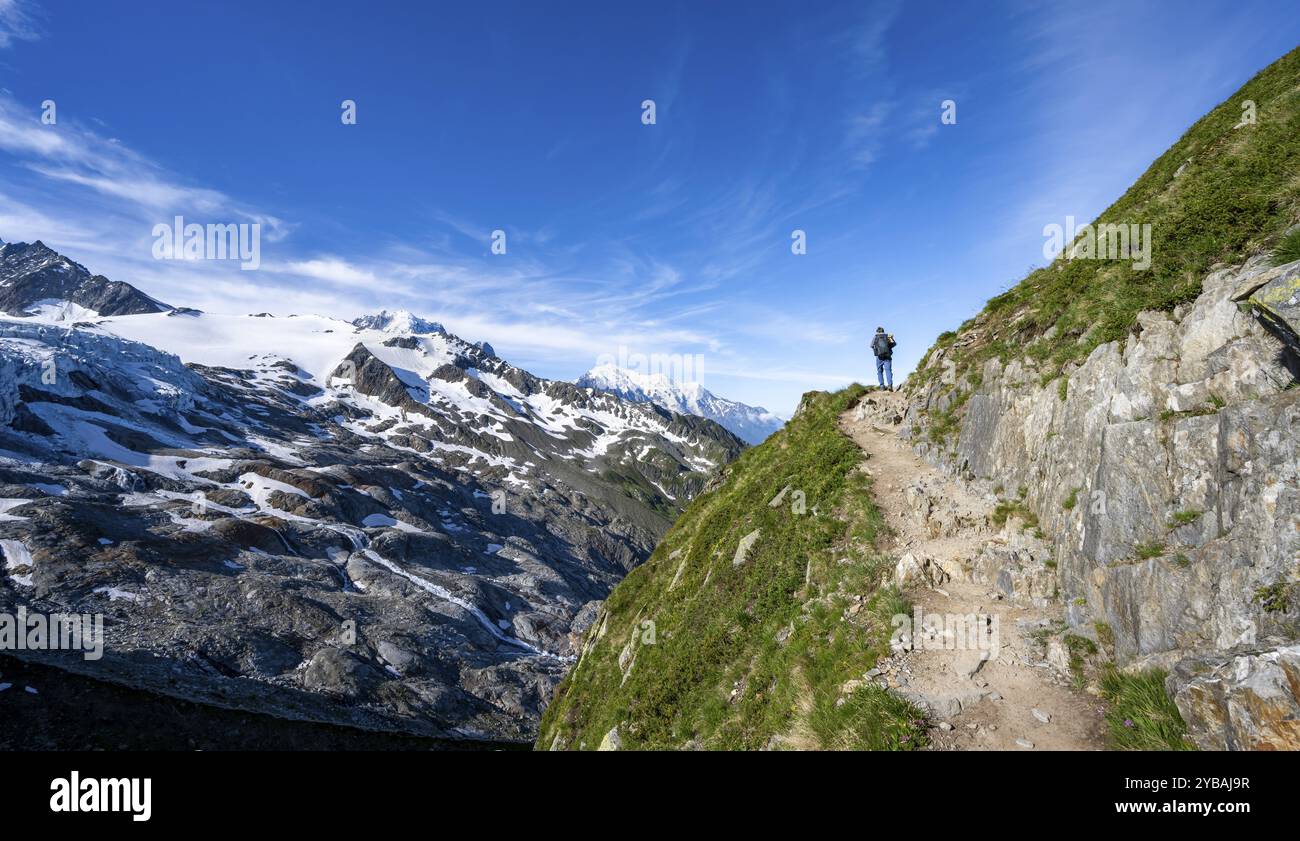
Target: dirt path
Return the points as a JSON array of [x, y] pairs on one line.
[[1015, 700]]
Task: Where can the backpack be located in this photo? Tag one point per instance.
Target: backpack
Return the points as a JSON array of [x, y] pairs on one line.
[[881, 346]]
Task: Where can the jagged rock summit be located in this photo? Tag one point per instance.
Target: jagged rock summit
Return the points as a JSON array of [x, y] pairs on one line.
[[36, 280]]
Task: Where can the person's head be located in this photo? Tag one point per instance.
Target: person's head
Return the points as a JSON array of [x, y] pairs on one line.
[[880, 329]]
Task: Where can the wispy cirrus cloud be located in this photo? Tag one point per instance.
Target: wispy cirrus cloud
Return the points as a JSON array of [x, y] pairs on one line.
[[70, 153], [17, 22], [866, 66], [865, 134], [91, 196], [333, 270]]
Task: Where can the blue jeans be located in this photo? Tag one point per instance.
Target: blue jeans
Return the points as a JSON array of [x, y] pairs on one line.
[[885, 371]]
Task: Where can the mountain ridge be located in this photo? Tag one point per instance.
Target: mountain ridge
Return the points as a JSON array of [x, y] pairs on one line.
[[311, 519]]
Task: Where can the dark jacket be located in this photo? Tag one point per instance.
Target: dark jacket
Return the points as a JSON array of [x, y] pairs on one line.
[[883, 346]]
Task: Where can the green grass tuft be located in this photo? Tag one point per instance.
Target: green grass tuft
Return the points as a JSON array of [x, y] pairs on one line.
[[1105, 635], [1141, 714], [1080, 649], [1276, 597], [1006, 509], [1147, 550], [1288, 249]]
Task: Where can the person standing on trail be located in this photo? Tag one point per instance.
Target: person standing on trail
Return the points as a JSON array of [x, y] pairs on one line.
[[882, 345]]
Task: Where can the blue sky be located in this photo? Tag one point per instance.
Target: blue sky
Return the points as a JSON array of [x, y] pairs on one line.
[[671, 238]]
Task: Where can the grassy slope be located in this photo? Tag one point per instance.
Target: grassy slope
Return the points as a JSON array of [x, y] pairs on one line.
[[1238, 191], [716, 674]]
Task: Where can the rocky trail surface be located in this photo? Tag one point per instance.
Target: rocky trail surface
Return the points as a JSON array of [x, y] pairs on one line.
[[986, 658]]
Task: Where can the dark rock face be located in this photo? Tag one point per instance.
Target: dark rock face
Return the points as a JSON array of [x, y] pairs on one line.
[[31, 274], [56, 718], [247, 534], [1275, 297], [391, 550]]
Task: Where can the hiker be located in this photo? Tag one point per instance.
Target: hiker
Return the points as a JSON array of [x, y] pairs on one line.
[[882, 345]]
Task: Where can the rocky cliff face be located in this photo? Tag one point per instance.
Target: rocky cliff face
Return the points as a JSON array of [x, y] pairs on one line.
[[1164, 469]]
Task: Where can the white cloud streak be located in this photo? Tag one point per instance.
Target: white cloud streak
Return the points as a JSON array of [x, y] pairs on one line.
[[17, 23]]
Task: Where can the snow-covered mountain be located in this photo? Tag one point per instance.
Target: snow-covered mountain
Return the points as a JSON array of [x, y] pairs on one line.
[[398, 321], [751, 424], [371, 523], [36, 280]]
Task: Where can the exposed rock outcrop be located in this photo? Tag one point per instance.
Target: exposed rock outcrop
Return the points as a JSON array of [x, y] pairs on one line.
[[32, 275], [1164, 469], [1248, 701]]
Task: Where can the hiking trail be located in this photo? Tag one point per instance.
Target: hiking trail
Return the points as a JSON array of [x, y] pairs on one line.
[[940, 528]]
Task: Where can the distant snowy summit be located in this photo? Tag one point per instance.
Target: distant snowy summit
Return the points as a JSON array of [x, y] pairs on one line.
[[399, 321], [409, 324], [751, 424]]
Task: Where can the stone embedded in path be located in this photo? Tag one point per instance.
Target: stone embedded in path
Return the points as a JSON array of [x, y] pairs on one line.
[[919, 569], [1025, 743], [943, 706], [1041, 716], [968, 666], [1057, 654]]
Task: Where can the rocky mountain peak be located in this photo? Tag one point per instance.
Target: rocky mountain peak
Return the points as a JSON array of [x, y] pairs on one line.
[[35, 278], [25, 256]]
